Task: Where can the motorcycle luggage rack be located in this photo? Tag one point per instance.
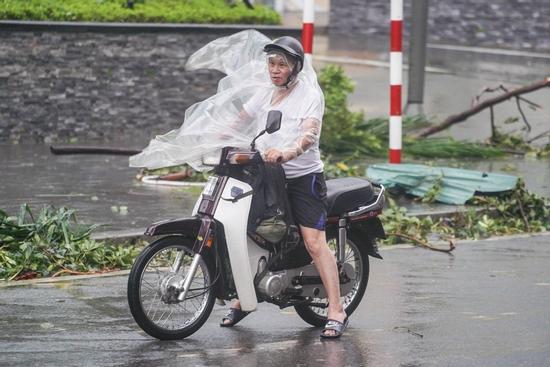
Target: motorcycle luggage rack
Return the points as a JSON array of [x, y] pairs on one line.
[[378, 204]]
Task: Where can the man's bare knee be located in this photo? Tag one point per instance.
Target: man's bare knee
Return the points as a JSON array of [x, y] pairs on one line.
[[314, 241], [314, 247]]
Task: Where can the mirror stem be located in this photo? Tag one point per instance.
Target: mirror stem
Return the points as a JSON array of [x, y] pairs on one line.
[[253, 144]]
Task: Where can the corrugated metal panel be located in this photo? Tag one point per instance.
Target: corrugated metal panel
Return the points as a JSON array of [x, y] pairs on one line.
[[457, 185]]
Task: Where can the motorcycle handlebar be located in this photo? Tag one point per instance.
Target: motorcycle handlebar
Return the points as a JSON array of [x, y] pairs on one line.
[[246, 157]]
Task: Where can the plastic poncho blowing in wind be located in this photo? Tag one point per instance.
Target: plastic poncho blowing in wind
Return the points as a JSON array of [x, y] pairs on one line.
[[215, 122]]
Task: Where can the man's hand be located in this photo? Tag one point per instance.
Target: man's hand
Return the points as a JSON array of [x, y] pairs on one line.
[[274, 155]]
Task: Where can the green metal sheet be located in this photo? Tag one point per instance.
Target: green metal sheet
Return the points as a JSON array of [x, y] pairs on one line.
[[457, 185]]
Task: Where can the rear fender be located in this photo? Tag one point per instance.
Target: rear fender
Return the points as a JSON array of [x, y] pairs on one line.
[[366, 232]]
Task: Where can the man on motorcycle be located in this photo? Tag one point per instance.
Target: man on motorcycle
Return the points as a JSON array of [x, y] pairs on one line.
[[302, 111]]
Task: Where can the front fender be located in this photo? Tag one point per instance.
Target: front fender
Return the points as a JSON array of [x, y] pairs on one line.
[[180, 226], [190, 227], [202, 228]]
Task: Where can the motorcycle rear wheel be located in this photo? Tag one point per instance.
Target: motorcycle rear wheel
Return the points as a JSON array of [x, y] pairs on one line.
[[359, 259], [169, 320]]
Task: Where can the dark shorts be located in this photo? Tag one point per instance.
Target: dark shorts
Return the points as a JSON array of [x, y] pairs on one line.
[[308, 200]]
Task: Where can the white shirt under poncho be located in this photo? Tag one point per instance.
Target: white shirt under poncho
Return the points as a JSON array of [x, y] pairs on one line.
[[302, 103]]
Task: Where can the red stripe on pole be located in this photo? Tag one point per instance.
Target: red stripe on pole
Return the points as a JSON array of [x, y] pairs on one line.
[[396, 36], [395, 156], [307, 37], [395, 100]]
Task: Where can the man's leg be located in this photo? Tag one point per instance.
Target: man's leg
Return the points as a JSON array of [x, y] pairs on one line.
[[316, 245]]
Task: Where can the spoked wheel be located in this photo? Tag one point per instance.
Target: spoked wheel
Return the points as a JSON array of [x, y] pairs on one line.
[[358, 259], [153, 290]]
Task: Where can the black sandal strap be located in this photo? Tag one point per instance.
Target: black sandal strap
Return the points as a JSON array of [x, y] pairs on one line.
[[234, 316]]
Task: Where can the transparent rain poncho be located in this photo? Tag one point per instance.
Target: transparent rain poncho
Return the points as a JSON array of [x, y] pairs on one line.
[[221, 120]]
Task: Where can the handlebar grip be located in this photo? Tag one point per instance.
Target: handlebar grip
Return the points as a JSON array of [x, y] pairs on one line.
[[263, 155]]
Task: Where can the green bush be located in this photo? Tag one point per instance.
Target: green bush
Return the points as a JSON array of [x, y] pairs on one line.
[[341, 132], [155, 11]]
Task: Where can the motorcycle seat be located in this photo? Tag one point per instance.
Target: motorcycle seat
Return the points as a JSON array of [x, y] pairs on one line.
[[346, 194]]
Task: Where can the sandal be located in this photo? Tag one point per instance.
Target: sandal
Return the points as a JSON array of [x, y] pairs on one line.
[[234, 316], [337, 326]]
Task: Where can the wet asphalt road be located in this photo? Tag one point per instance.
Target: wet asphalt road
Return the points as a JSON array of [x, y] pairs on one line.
[[486, 305]]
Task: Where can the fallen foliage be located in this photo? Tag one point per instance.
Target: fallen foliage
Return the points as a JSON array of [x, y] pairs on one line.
[[53, 243], [518, 211]]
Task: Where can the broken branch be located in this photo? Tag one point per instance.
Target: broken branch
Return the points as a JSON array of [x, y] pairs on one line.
[[73, 149], [524, 217], [423, 243], [451, 120], [541, 135]]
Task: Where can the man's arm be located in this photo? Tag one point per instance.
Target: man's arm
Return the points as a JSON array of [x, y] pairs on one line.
[[310, 132]]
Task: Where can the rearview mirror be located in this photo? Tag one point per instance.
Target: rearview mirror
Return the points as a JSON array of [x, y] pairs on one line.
[[273, 122]]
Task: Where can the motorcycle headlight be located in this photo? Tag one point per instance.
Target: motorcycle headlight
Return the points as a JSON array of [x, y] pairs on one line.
[[212, 158]]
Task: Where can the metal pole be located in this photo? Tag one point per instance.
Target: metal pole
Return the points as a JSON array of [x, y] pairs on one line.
[[417, 58], [396, 77], [307, 28]]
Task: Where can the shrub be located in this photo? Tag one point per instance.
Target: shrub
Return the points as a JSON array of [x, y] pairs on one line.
[[155, 11], [341, 131]]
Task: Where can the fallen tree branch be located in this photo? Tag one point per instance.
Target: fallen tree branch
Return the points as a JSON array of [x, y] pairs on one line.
[[74, 272], [408, 331], [422, 243], [524, 217], [542, 135], [453, 119], [522, 114], [74, 149], [65, 270], [14, 276]]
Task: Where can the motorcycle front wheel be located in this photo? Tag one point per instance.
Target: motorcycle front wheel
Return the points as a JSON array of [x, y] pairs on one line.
[[358, 258], [153, 299]]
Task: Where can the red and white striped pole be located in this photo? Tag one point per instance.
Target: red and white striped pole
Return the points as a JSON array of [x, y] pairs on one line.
[[396, 77], [307, 27]]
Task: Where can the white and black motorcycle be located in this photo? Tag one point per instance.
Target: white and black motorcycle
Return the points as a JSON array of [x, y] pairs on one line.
[[241, 242]]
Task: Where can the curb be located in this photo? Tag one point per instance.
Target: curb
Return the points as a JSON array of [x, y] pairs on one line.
[[374, 63], [468, 241], [129, 235], [68, 278]]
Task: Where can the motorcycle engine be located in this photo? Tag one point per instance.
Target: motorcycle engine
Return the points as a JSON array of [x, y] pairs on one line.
[[272, 284]]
